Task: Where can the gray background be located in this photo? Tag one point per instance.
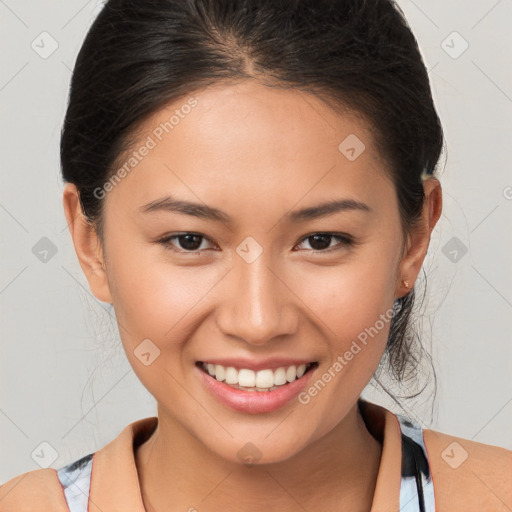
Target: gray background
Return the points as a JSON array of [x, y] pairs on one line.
[[64, 378]]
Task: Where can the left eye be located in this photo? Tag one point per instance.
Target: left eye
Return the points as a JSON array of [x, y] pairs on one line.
[[321, 240]]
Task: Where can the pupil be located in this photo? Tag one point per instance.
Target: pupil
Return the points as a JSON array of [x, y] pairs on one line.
[[322, 246], [186, 245]]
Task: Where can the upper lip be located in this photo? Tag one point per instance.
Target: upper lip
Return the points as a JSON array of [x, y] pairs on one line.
[[251, 364]]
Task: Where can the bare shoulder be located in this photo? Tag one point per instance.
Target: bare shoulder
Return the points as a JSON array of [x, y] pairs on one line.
[[40, 486], [469, 475]]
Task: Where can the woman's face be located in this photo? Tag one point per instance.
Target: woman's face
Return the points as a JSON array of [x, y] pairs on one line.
[[253, 286]]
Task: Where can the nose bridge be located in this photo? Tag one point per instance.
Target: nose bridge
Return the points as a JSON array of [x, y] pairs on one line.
[[258, 307]]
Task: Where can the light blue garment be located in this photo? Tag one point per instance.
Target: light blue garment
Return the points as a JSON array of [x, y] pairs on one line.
[[75, 479], [417, 487]]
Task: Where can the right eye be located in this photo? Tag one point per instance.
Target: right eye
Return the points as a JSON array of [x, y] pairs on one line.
[[189, 241]]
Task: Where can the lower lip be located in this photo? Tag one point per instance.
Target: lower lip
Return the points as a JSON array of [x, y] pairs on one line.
[[254, 402]]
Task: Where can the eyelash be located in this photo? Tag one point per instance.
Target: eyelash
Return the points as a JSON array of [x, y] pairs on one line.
[[345, 240]]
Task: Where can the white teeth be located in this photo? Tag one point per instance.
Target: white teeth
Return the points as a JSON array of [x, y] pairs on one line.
[[291, 373], [265, 379], [231, 375], [262, 380], [246, 378], [280, 377], [220, 372]]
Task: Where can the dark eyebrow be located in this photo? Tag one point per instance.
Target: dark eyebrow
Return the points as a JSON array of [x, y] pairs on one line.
[[324, 209], [170, 204], [203, 211]]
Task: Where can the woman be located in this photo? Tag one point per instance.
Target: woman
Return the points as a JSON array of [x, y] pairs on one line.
[[251, 184]]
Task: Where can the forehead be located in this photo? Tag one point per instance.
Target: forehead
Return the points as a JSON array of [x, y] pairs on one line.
[[254, 142]]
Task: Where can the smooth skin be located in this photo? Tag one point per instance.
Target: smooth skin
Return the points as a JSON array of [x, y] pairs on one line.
[[257, 154]]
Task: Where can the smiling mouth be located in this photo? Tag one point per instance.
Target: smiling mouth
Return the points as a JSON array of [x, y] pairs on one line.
[[261, 380]]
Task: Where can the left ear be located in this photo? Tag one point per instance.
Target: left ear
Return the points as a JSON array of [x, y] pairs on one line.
[[419, 238]]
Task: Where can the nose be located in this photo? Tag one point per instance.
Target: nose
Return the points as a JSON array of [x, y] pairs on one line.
[[257, 305]]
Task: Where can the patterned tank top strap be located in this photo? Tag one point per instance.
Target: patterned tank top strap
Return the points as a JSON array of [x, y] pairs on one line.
[[75, 479], [417, 487]]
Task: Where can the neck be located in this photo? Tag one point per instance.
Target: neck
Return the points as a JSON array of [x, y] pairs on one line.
[[338, 471]]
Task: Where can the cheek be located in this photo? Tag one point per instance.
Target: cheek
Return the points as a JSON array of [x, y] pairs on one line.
[[162, 303], [157, 300], [350, 297], [354, 303], [354, 307]]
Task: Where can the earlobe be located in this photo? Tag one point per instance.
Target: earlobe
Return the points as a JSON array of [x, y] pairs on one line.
[[87, 244], [419, 238]]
